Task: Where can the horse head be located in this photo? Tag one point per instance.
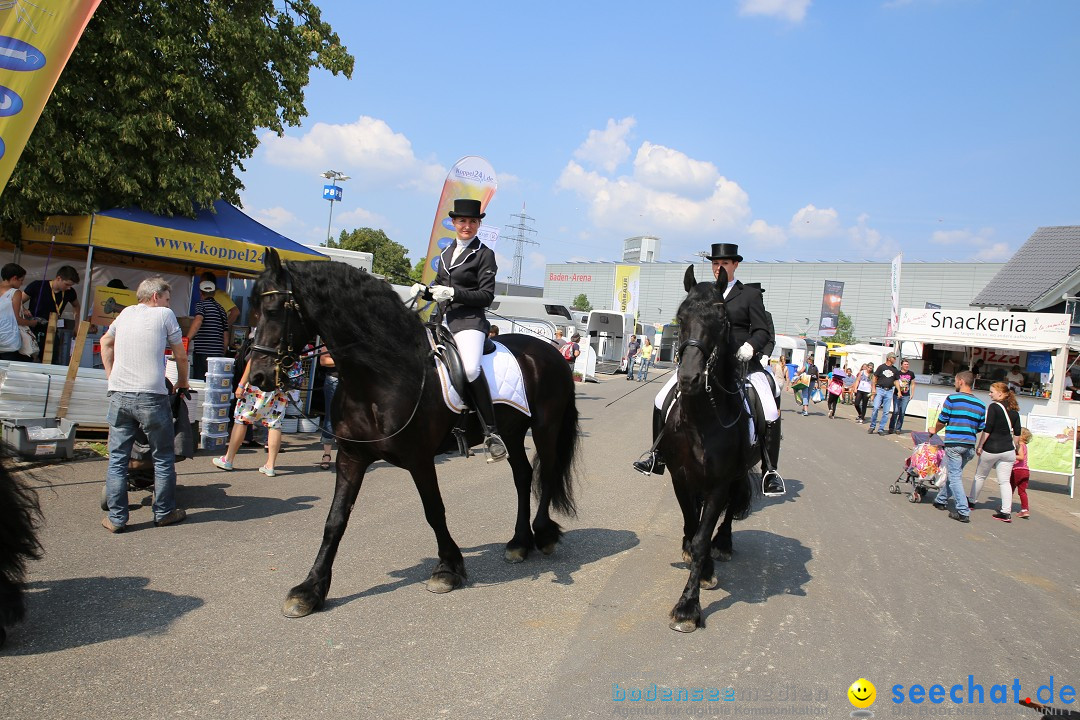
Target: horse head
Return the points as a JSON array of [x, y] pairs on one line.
[[281, 332], [703, 331]]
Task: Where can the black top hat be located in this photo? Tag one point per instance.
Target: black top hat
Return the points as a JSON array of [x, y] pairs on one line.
[[466, 208], [724, 251]]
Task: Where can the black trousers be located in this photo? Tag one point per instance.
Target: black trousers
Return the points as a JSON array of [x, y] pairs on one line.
[[861, 400]]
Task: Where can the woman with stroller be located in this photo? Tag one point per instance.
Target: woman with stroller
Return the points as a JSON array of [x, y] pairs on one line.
[[996, 447]]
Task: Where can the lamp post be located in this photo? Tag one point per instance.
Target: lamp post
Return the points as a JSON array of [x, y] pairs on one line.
[[332, 192]]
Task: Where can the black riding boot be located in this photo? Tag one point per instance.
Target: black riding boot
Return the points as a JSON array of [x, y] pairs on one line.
[[485, 410], [651, 462], [772, 485]]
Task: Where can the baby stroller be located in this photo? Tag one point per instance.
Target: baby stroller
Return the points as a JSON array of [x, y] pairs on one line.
[[925, 467]]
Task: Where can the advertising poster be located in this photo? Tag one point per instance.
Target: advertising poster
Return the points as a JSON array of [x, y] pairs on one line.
[[627, 284], [830, 308], [471, 178], [1053, 444], [36, 40], [108, 302], [934, 401], [894, 291]]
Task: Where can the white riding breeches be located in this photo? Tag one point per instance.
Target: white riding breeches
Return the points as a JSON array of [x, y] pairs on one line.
[[760, 381], [470, 344]]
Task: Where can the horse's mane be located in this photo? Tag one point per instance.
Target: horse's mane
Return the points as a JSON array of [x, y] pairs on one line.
[[360, 317], [700, 302]]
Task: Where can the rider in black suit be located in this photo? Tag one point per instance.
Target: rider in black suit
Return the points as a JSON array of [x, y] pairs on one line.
[[751, 336]]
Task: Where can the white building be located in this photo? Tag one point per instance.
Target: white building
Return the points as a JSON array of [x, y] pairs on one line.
[[641, 248]]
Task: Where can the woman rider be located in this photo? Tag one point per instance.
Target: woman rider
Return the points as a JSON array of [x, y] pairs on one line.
[[465, 280]]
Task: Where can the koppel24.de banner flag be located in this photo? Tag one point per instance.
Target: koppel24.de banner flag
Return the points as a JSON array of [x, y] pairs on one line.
[[36, 40], [471, 178], [830, 308]]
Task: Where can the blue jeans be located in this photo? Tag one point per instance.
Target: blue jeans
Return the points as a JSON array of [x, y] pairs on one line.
[[882, 401], [643, 371], [630, 367], [899, 411], [128, 413], [330, 384], [956, 457]]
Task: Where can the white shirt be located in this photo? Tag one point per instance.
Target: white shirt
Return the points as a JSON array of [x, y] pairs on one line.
[[141, 334]]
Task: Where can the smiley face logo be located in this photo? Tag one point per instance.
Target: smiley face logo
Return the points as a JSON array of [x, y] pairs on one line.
[[862, 693]]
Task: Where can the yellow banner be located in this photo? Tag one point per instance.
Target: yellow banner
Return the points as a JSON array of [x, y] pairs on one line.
[[141, 239], [471, 178], [627, 282], [36, 40]]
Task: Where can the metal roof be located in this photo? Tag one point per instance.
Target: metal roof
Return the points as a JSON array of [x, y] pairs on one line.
[[1047, 265]]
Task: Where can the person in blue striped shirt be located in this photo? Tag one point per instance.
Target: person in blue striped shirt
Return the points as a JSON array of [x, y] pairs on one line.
[[962, 417]]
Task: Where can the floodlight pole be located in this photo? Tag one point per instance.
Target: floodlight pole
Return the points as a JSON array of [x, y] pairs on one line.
[[333, 176]]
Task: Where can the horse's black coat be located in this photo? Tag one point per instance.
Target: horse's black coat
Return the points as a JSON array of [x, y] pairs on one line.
[[20, 515], [389, 407]]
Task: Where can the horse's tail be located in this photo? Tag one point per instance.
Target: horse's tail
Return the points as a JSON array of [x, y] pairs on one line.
[[562, 467], [20, 515]]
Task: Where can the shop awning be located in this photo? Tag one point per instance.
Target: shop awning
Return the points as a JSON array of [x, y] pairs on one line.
[[225, 238]]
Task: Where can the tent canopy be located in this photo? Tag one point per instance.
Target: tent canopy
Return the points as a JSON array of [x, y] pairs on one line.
[[224, 237]]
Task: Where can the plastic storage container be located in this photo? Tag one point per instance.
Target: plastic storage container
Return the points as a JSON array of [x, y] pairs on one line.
[[215, 443], [215, 412], [214, 427], [218, 382], [218, 397], [288, 425], [40, 438], [220, 366], [308, 425]]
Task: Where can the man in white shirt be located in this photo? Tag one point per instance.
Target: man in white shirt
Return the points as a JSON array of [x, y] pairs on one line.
[[1015, 378], [133, 352]]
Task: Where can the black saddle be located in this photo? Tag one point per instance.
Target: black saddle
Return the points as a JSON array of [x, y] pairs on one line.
[[447, 350]]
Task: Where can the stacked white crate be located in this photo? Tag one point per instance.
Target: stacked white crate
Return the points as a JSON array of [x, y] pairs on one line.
[[214, 424]]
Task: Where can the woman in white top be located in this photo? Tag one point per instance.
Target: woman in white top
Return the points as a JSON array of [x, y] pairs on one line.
[[12, 314]]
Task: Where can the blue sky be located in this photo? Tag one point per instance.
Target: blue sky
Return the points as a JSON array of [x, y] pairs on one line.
[[799, 129]]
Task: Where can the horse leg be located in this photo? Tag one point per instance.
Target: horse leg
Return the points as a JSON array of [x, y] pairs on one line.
[[449, 573], [691, 512], [522, 543], [686, 615], [309, 596], [722, 549]]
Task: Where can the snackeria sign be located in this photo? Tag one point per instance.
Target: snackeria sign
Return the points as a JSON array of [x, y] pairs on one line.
[[984, 326]]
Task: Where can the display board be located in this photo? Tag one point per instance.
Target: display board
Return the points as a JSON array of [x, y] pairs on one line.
[[934, 402], [1053, 444]]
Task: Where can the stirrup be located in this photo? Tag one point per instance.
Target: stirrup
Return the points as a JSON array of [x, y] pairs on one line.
[[770, 475], [494, 448], [649, 464]]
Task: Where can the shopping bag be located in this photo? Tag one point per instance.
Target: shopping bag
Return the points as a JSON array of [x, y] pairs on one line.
[[815, 396]]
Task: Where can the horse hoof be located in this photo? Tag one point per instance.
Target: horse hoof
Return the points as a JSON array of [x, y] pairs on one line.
[[294, 607], [683, 626], [548, 549], [443, 583], [686, 557], [708, 583], [515, 555], [722, 555]]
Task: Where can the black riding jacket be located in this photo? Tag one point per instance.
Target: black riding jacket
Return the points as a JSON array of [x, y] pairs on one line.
[[473, 280]]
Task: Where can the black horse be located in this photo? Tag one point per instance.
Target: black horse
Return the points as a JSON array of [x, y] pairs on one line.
[[389, 407], [20, 516], [706, 440]]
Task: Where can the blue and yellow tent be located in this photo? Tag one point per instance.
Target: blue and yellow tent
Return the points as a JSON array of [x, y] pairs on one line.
[[225, 238]]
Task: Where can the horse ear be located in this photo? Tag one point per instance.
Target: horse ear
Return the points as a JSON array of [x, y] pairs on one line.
[[272, 261], [689, 280], [721, 280]]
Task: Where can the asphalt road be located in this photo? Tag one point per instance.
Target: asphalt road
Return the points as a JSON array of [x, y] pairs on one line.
[[838, 581]]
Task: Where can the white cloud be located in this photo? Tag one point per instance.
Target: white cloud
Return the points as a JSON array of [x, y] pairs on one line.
[[607, 148], [790, 10], [869, 243], [965, 236], [661, 168], [814, 223], [274, 217], [998, 252], [764, 235], [368, 150], [359, 217]]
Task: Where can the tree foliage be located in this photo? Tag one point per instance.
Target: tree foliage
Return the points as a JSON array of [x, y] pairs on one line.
[[161, 101], [390, 259], [845, 330], [581, 302]]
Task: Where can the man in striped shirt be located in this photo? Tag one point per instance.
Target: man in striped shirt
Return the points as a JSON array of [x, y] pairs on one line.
[[208, 332], [962, 416]]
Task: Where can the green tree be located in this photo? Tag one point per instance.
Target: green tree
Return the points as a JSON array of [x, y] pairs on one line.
[[389, 258], [160, 102], [845, 330], [417, 273], [581, 302]]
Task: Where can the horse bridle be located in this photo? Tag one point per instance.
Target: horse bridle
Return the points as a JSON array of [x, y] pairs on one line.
[[710, 363], [287, 356]]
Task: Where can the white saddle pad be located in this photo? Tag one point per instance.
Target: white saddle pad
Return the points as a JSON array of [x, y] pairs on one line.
[[503, 374]]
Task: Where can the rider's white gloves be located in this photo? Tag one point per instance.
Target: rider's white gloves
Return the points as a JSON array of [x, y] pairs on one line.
[[441, 293], [744, 353], [417, 289]]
